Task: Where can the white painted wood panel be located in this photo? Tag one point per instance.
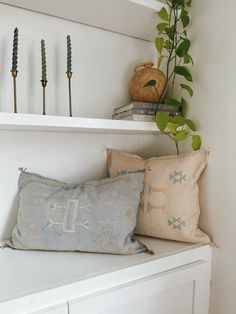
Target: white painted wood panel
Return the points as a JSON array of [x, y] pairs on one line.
[[166, 302], [130, 17], [170, 292]]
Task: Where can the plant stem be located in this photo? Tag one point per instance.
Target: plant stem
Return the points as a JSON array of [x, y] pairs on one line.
[[176, 41], [169, 58], [176, 143], [177, 147]]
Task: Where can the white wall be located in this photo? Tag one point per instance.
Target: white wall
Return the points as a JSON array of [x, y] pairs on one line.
[[103, 63], [214, 107]]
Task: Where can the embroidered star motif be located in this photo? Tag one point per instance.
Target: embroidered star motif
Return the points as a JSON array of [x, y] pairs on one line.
[[176, 223], [178, 176]]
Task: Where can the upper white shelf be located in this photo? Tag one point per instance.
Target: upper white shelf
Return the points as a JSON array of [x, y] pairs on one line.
[[33, 122], [135, 18]]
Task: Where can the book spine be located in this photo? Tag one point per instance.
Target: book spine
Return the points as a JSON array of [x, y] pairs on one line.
[[143, 111], [150, 112], [135, 105], [140, 117], [150, 106], [134, 111]]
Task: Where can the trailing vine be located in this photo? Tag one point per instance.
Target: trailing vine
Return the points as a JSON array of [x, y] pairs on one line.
[[172, 45]]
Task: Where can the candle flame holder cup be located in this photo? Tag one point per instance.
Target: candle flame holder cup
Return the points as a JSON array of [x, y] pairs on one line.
[[44, 84], [14, 73], [69, 76]]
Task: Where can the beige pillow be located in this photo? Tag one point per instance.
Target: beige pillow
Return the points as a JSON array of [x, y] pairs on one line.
[[169, 206]]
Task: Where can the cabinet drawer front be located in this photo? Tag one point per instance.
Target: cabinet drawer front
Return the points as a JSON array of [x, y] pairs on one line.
[[183, 290]]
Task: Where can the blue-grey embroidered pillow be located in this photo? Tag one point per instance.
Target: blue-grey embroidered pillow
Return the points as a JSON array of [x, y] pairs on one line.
[[98, 216]]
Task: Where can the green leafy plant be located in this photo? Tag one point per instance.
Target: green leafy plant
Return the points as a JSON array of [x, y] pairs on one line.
[[173, 45]]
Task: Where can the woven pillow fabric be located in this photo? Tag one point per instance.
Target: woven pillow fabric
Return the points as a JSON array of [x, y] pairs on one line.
[[169, 206], [98, 216]]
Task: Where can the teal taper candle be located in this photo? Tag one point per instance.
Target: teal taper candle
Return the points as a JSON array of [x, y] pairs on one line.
[[15, 49], [44, 64], [69, 54]]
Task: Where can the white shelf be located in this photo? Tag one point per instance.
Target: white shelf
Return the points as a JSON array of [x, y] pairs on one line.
[[37, 278], [32, 122], [135, 18]]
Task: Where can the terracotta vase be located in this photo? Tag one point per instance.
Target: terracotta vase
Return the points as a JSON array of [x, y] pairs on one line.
[[145, 72]]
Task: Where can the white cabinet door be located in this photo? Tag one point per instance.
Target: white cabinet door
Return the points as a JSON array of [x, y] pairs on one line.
[[183, 290], [58, 309]]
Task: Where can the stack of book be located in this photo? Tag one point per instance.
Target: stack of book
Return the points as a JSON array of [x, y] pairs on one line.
[[143, 111]]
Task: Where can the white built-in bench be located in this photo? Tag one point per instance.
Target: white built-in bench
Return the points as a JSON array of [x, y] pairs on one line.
[[174, 280]]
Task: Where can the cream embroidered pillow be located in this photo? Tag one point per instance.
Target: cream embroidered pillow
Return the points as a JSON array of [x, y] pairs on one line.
[[169, 206]]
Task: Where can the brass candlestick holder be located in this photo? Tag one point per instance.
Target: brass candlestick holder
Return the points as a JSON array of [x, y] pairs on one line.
[[44, 84], [69, 75], [14, 75]]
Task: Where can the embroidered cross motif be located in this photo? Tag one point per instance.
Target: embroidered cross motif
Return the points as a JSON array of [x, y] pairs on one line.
[[156, 190], [154, 199], [85, 224], [54, 206], [178, 176], [151, 207], [70, 215], [85, 206], [176, 223]]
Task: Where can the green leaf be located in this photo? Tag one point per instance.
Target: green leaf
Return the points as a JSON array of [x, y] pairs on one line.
[[160, 61], [159, 42], [172, 102], [184, 18], [183, 48], [162, 120], [172, 127], [171, 32], [196, 142], [180, 120], [168, 44], [190, 124], [161, 27], [181, 135], [163, 14], [179, 2], [183, 71], [187, 88], [189, 2], [150, 83], [188, 59]]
